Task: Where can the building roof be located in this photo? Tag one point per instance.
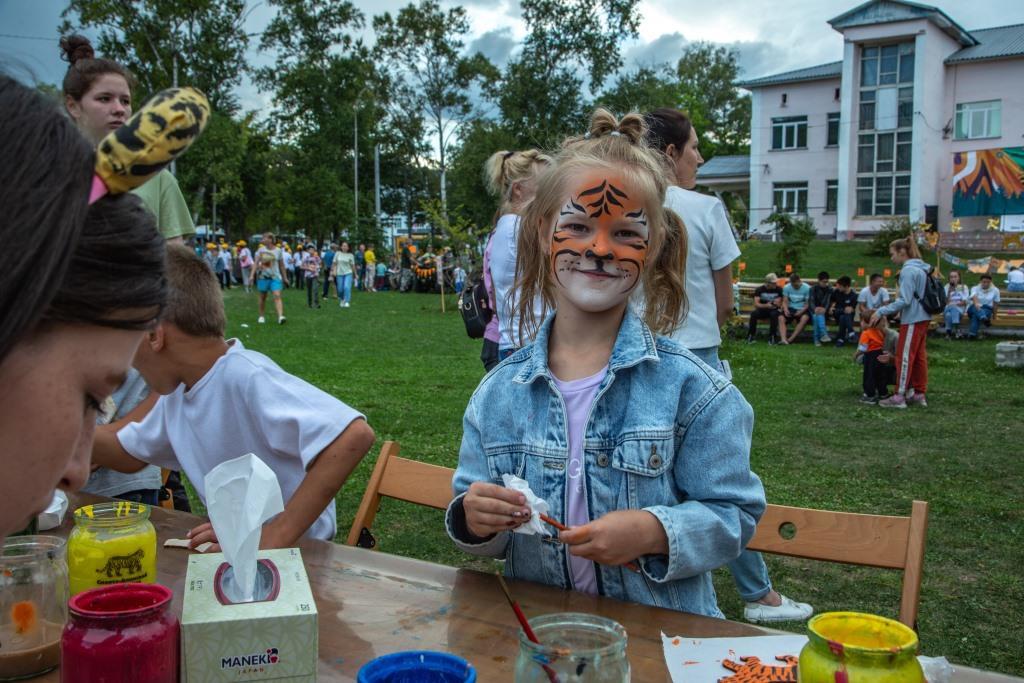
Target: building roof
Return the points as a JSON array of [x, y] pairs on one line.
[[876, 12], [994, 43], [811, 73], [725, 166]]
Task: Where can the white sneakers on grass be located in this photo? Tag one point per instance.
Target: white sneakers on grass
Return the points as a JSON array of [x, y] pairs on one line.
[[789, 610], [261, 320]]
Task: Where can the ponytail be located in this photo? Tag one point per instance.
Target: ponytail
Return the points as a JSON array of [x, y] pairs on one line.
[[907, 245], [503, 169]]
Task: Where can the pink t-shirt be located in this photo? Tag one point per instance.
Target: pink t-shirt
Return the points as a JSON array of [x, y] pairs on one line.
[[578, 396]]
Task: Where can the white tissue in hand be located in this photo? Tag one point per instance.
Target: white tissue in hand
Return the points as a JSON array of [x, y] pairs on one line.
[[241, 495], [538, 506]]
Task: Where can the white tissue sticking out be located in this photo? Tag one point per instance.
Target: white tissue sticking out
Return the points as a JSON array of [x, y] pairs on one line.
[[53, 516], [538, 506], [241, 495]]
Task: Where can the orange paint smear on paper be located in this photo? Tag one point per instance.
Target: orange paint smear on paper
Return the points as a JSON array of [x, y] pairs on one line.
[[23, 614]]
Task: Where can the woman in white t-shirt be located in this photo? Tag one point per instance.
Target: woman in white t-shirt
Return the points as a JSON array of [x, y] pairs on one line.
[[711, 249], [711, 243], [513, 177]]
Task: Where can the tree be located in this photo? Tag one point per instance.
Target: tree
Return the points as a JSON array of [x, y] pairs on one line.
[[642, 91], [319, 78], [718, 109], [542, 96], [204, 41], [423, 49], [481, 139]]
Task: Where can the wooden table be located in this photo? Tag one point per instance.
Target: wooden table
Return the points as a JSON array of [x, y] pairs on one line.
[[371, 603]]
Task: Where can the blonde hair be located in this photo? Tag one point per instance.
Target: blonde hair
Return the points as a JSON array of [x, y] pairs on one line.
[[907, 245], [505, 168], [614, 145]]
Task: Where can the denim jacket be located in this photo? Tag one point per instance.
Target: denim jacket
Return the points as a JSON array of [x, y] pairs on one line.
[[666, 434]]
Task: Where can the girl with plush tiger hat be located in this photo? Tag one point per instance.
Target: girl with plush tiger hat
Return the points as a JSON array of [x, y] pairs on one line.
[[637, 446], [98, 97]]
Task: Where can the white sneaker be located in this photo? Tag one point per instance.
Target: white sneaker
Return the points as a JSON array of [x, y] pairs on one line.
[[789, 610], [261, 320], [281, 320], [826, 339], [347, 304]]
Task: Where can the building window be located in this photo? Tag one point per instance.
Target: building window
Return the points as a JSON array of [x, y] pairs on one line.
[[833, 129], [790, 197], [831, 196], [884, 138], [785, 99], [789, 132], [979, 120], [887, 65], [883, 195], [836, 96]]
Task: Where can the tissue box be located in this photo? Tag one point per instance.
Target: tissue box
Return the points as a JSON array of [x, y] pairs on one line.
[[272, 640]]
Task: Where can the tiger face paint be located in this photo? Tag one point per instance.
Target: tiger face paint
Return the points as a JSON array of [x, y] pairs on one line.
[[599, 242]]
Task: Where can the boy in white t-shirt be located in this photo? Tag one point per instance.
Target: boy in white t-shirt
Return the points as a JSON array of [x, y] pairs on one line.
[[220, 401], [984, 305]]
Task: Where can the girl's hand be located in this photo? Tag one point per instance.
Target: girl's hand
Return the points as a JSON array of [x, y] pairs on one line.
[[204, 533], [618, 537], [491, 508]]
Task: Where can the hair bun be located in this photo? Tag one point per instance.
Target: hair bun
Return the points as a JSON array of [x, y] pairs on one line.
[[76, 47], [603, 122]]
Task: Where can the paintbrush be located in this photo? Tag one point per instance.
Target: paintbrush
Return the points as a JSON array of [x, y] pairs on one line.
[[631, 566], [552, 676]]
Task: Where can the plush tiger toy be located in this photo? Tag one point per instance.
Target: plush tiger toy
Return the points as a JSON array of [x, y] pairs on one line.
[[153, 137]]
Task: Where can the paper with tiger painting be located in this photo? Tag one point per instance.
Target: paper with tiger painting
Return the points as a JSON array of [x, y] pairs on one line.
[[757, 659]]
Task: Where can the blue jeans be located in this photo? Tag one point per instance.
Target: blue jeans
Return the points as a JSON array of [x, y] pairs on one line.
[[952, 315], [820, 330], [749, 571], [978, 316], [344, 285], [1014, 287]]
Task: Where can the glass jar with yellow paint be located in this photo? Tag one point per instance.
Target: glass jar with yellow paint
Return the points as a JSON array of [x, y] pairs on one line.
[[850, 646], [111, 543]]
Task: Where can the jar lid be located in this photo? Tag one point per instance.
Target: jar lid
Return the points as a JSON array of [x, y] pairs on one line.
[[120, 600]]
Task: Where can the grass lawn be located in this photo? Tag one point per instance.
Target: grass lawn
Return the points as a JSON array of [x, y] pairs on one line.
[[844, 258], [411, 370]]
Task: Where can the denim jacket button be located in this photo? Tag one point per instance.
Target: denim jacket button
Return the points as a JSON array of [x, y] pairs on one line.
[[655, 461], [602, 460]]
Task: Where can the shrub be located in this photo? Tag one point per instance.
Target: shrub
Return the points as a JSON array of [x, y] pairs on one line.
[[797, 234], [892, 229]]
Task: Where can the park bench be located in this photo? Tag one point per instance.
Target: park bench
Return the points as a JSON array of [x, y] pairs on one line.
[[1009, 318]]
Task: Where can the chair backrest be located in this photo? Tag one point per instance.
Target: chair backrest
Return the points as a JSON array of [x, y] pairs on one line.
[[403, 479], [869, 540]]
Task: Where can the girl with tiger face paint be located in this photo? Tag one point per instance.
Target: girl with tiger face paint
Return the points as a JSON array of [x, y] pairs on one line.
[[589, 412], [599, 243]]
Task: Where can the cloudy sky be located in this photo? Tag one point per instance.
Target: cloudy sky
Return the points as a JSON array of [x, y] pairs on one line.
[[771, 35]]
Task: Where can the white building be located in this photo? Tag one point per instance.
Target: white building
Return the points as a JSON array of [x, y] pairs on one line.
[[854, 143]]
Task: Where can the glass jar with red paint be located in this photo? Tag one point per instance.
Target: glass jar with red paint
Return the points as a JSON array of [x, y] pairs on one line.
[[124, 632]]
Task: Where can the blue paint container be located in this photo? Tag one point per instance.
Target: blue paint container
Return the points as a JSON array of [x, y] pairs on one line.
[[418, 666]]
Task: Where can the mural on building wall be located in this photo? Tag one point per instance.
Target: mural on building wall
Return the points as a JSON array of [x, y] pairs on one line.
[[989, 182]]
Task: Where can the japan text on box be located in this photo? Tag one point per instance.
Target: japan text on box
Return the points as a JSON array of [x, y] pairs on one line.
[[274, 639]]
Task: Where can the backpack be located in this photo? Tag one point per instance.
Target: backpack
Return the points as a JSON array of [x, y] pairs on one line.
[[934, 298], [475, 306]]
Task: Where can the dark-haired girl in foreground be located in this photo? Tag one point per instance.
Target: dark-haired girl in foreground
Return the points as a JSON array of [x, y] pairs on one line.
[[64, 346]]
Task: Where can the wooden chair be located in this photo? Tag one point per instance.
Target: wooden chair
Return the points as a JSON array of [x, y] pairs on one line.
[[404, 479], [868, 540]]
